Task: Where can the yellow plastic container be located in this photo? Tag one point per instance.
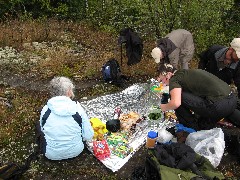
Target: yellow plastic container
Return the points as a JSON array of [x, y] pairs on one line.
[[97, 123]]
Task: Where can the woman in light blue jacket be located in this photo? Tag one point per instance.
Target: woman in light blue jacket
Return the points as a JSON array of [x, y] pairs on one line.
[[64, 122]]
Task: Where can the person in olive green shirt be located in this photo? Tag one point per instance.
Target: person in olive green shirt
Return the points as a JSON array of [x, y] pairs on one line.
[[200, 99]]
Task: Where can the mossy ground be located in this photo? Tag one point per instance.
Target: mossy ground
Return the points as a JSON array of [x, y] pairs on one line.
[[76, 51]]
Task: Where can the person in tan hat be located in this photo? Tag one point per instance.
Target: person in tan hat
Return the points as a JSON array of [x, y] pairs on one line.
[[223, 62], [176, 48]]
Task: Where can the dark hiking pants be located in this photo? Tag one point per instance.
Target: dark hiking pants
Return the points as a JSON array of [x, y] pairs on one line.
[[40, 139], [199, 113]]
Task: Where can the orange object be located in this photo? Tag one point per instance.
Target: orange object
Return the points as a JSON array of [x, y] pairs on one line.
[[159, 88], [151, 139], [161, 85]]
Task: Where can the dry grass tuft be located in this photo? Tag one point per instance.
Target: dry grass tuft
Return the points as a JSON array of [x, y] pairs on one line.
[[16, 32], [78, 49]]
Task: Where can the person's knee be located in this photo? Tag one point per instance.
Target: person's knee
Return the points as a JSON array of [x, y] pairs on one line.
[[235, 117]]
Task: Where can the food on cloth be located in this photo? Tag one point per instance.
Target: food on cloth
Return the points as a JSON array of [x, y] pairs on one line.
[[154, 116], [129, 120], [155, 113], [118, 144], [170, 115], [100, 137], [122, 151], [99, 128], [117, 138]]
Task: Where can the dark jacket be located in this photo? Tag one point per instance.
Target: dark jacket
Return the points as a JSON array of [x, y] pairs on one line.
[[167, 47], [209, 61], [134, 45]]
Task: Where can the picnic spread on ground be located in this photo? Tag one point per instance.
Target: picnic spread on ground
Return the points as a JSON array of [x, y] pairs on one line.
[[137, 113], [125, 121]]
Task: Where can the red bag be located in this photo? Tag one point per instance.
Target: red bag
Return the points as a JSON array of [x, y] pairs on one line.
[[101, 149]]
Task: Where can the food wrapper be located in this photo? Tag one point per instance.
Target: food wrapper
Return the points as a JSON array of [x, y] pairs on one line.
[[156, 88], [118, 144], [101, 149]]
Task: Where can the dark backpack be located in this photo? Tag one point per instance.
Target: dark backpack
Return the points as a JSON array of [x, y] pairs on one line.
[[111, 73], [176, 161], [134, 45], [14, 171], [10, 171]]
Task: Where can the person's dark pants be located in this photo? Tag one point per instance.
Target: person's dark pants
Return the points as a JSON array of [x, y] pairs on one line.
[[198, 113], [40, 138], [226, 74], [236, 78], [235, 116]]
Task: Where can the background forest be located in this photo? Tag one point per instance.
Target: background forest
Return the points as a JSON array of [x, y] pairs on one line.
[[210, 21], [43, 38]]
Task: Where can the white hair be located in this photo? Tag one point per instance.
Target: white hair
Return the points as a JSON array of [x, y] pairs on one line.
[[59, 86]]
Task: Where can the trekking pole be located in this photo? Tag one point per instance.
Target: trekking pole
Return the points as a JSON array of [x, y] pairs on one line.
[[121, 54]]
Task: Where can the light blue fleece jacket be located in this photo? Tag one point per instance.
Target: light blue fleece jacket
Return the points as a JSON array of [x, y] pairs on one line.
[[64, 136]]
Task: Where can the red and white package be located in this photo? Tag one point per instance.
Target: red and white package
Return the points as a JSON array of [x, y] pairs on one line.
[[101, 149]]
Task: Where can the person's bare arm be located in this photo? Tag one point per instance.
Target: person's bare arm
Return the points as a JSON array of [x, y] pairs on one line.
[[175, 101]]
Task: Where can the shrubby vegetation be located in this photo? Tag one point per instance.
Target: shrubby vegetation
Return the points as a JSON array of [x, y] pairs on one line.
[[74, 38], [211, 21]]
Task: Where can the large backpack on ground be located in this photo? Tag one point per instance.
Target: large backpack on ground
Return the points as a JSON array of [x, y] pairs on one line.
[[134, 45], [13, 171], [179, 161], [111, 70], [232, 141], [10, 171], [176, 161], [111, 73]]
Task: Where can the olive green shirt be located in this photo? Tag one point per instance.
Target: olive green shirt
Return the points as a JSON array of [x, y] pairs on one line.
[[200, 83]]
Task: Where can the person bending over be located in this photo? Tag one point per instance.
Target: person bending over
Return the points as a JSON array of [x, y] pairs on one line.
[[64, 122], [176, 48], [200, 99], [223, 62]]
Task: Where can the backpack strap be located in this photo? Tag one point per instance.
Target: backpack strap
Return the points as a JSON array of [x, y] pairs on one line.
[[200, 161], [196, 171], [45, 116], [121, 54], [10, 171], [78, 119]]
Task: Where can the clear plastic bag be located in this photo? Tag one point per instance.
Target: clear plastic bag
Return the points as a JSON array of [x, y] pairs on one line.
[[208, 143], [164, 136]]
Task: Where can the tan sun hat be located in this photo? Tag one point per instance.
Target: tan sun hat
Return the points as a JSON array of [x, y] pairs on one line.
[[235, 44], [157, 54]]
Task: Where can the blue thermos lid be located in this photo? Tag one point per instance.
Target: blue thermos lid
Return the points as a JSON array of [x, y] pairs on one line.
[[152, 134]]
